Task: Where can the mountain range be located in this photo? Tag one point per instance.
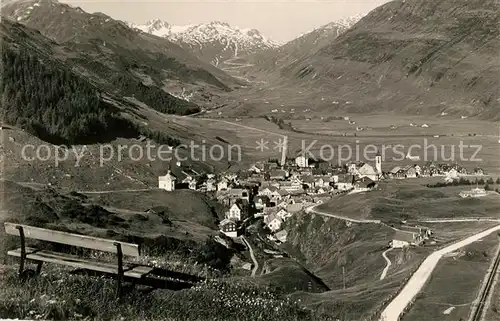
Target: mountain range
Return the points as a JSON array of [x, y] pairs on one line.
[[265, 63], [108, 48], [407, 56], [212, 42]]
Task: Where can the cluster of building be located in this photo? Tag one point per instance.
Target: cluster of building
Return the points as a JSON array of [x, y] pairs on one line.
[[430, 169], [274, 192]]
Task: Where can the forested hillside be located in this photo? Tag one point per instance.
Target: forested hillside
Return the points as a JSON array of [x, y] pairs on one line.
[[53, 103]]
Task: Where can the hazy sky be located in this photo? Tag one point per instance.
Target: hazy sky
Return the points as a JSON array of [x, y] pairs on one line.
[[280, 20]]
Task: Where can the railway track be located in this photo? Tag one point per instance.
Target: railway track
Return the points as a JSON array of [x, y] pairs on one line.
[[477, 315]]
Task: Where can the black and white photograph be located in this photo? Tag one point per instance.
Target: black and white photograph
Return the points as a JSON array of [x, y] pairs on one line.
[[250, 160]]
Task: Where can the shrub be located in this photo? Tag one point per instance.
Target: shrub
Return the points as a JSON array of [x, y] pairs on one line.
[[215, 255]]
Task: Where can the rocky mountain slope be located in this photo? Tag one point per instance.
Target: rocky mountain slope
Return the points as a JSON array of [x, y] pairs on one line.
[[212, 42], [262, 65], [411, 56], [305, 44], [111, 44]]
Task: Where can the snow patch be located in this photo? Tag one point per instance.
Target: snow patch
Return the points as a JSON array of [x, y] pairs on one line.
[[234, 38]]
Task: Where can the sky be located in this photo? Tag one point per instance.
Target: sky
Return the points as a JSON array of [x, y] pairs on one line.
[[279, 20]]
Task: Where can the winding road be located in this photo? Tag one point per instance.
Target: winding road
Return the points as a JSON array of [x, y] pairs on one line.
[[389, 263], [311, 209], [417, 281], [255, 263]]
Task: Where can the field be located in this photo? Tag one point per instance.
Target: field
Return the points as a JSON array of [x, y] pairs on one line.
[[454, 283], [326, 246], [446, 233], [410, 199], [324, 140], [92, 167], [56, 295], [380, 124], [245, 134]]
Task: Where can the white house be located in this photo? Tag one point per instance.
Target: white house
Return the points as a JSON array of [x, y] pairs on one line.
[[320, 191], [418, 170], [222, 185], [322, 181], [275, 224], [302, 161], [210, 184], [399, 244], [283, 215], [265, 192], [403, 239], [167, 182], [234, 213], [255, 169], [352, 168], [453, 173], [294, 185]]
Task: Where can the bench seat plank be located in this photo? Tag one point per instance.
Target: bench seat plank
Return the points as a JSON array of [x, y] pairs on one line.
[[81, 263], [85, 241]]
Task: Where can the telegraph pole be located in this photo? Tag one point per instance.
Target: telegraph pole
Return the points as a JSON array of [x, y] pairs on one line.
[[284, 150], [343, 276]]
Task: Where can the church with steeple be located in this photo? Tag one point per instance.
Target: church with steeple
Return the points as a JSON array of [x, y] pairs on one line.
[[373, 173]]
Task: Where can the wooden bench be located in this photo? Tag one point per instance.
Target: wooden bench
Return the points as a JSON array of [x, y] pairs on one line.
[[119, 270]]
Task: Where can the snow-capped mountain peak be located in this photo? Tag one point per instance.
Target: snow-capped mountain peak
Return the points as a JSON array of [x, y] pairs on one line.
[[156, 24], [339, 26], [214, 42], [156, 27]]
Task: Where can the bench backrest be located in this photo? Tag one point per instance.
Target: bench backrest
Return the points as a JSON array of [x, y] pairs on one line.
[[88, 242]]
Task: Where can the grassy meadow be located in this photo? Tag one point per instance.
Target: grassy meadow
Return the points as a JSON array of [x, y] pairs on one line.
[[411, 199], [57, 295]]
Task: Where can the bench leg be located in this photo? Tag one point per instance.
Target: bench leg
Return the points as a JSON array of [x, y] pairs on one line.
[[23, 252], [119, 278], [39, 267]]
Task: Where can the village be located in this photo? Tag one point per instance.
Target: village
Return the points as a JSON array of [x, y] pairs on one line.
[[273, 191]]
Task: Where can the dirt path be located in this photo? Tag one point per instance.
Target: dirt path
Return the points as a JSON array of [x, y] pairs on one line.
[[417, 281], [244, 126], [389, 263], [255, 263], [118, 191], [312, 210]]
